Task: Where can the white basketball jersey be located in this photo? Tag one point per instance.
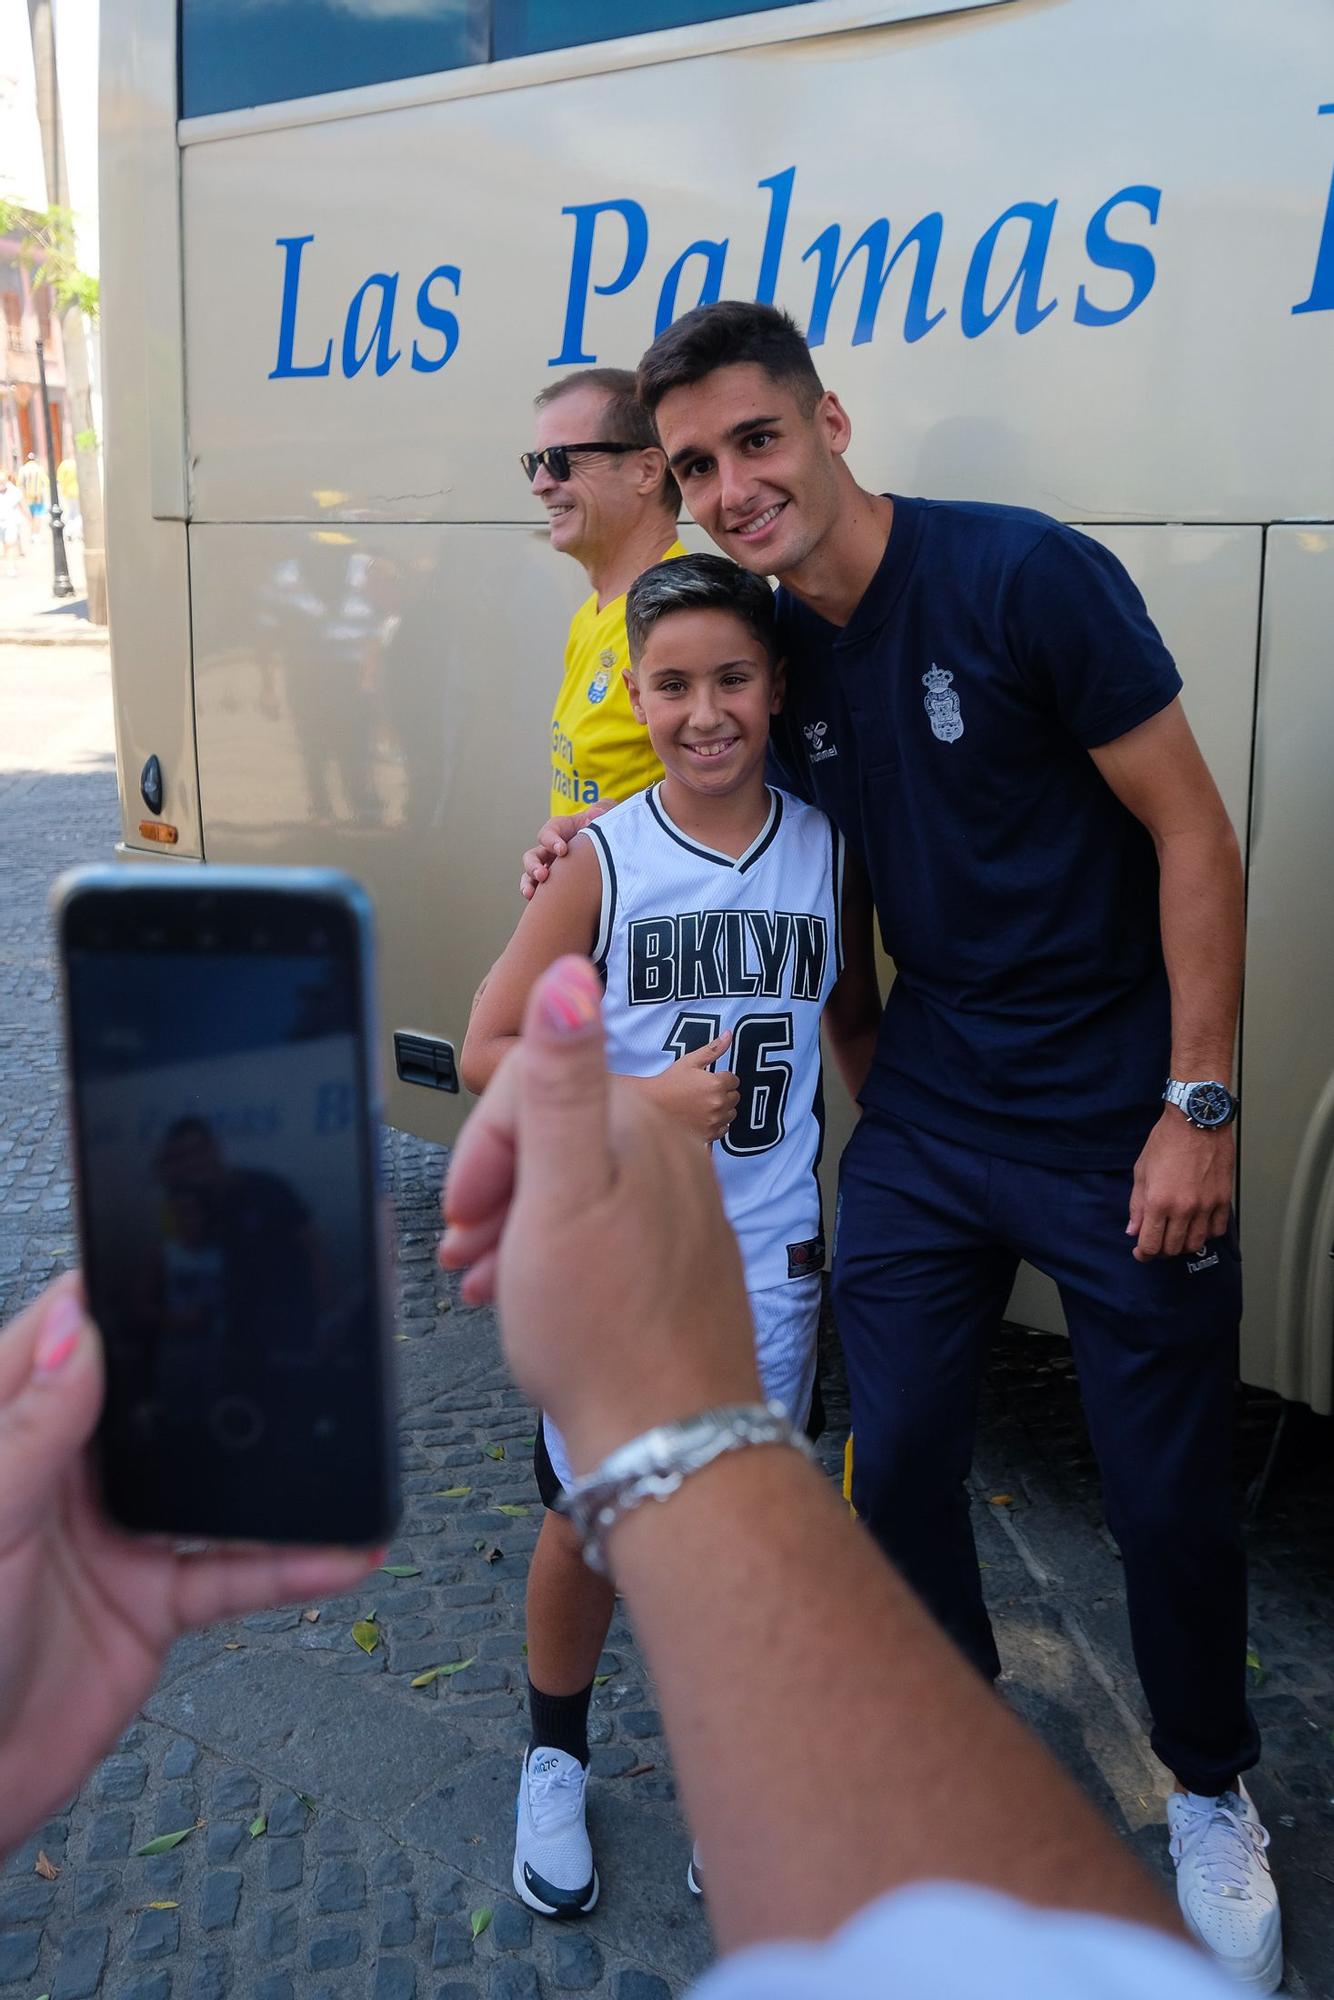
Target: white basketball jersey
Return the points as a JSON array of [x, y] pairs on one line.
[[692, 942]]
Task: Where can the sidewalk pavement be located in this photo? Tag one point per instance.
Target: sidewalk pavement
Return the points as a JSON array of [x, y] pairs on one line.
[[29, 613]]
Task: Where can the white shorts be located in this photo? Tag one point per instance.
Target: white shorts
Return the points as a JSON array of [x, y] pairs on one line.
[[787, 1322]]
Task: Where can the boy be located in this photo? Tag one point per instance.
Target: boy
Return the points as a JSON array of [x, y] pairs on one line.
[[716, 911]]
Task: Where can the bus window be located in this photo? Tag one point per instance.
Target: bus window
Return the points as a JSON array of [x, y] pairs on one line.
[[522, 27], [235, 56]]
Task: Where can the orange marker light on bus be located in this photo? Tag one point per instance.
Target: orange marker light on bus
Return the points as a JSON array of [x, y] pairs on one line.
[[153, 829]]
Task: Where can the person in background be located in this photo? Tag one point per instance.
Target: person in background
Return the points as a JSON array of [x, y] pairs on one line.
[[36, 489], [611, 503], [13, 524]]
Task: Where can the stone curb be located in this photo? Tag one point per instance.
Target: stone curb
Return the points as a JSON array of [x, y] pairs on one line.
[[43, 635]]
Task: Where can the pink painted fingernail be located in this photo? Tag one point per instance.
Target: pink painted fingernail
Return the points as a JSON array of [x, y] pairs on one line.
[[571, 997], [59, 1335]]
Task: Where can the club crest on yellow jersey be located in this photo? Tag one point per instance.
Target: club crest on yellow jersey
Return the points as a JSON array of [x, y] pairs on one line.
[[601, 681]]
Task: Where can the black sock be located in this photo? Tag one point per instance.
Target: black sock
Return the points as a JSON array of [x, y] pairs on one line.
[[560, 1721]]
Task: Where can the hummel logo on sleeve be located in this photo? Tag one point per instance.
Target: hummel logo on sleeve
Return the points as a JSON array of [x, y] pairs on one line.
[[818, 750]]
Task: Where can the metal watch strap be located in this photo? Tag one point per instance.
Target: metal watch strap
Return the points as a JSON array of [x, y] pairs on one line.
[[1178, 1094], [654, 1465]]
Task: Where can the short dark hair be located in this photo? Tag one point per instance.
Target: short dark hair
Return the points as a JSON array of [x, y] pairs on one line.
[[721, 336], [626, 420], [699, 583]]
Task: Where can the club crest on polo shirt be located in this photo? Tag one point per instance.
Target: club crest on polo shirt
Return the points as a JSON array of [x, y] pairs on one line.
[[942, 704], [601, 681], [818, 748]]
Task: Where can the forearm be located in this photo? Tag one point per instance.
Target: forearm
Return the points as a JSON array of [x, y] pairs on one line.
[[852, 1045], [830, 1742], [1203, 928], [480, 1058]]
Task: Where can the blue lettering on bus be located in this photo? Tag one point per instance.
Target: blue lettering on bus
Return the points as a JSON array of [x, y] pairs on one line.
[[632, 263], [1001, 256], [1112, 253], [294, 247], [438, 318], [974, 317], [382, 331], [1320, 298], [368, 327]]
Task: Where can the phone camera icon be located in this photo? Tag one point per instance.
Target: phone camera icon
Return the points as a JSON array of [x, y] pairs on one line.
[[236, 1423]]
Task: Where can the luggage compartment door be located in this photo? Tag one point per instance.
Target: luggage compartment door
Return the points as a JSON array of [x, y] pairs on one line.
[[1287, 1122]]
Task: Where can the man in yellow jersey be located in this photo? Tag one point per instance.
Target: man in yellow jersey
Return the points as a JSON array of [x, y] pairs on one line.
[[611, 504]]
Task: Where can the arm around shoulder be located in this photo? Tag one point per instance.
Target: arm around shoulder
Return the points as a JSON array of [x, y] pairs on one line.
[[562, 919]]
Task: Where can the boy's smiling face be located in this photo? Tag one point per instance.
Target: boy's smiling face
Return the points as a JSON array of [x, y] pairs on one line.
[[706, 686]]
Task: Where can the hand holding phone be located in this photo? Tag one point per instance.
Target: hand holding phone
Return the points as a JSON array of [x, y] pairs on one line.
[[88, 1614], [219, 1038]]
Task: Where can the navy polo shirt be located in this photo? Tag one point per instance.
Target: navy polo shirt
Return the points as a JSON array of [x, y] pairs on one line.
[[946, 730]]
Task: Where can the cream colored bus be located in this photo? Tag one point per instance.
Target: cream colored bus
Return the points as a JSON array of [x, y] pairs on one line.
[[1072, 254]]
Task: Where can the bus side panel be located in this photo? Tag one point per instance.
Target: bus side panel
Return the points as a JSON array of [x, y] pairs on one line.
[[1202, 587], [1050, 256], [380, 698], [148, 577], [1287, 1120]]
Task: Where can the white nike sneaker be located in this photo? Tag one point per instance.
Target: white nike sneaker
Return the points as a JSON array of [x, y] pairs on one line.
[[553, 1861], [1226, 1892], [695, 1873]]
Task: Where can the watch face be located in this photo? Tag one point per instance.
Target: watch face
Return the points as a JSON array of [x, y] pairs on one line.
[[1208, 1104]]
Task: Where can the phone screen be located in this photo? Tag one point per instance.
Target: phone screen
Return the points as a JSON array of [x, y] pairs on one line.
[[229, 1215]]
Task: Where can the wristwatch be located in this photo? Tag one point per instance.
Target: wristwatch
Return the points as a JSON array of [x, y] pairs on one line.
[[1209, 1105]]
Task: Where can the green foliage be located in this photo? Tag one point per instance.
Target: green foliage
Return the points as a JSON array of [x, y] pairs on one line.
[[47, 248]]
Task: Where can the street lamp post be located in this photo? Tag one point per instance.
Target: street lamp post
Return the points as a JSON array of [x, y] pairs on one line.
[[60, 583]]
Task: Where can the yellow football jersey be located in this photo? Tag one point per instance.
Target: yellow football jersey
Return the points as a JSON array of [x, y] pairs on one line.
[[598, 750]]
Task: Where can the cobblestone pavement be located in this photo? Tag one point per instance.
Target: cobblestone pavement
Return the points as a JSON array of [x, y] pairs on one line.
[[345, 1831]]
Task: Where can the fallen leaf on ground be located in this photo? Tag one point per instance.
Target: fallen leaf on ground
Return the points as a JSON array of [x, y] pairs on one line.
[[511, 1507], [258, 1825], [233, 1645], [165, 1842], [312, 1617], [635, 1771], [599, 1680], [400, 1569], [441, 1673], [452, 1492], [1001, 1500], [400, 1336], [494, 1450], [366, 1633], [479, 1920], [162, 1906], [45, 1866]]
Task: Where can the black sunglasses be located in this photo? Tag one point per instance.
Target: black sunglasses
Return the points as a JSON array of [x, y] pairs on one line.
[[556, 458]]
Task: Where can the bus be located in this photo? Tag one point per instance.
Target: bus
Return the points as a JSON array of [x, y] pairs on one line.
[[1071, 254]]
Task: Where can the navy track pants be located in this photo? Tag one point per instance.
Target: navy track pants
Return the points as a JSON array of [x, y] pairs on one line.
[[929, 1237]]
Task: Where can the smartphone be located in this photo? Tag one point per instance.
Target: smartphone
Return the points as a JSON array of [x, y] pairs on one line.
[[219, 1037]]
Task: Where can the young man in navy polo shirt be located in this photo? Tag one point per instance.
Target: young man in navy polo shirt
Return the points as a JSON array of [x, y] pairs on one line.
[[980, 701]]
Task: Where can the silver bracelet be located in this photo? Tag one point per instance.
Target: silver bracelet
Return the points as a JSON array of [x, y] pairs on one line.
[[654, 1465]]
